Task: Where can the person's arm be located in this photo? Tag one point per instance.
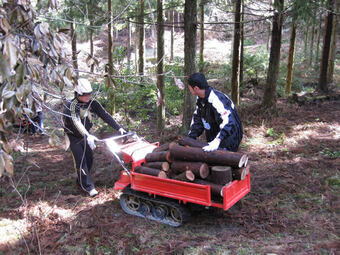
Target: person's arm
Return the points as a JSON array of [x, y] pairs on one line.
[[76, 119], [224, 107], [196, 126], [104, 115]]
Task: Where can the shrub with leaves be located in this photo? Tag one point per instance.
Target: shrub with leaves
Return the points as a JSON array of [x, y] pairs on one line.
[[31, 55]]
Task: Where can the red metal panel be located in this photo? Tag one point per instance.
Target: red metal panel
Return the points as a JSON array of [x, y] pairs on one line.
[[123, 181], [184, 191], [235, 191]]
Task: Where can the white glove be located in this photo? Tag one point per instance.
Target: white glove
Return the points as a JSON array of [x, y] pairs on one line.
[[213, 145], [122, 131], [90, 140]]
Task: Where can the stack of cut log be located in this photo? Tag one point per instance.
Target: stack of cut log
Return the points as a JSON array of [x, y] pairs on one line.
[[186, 161]]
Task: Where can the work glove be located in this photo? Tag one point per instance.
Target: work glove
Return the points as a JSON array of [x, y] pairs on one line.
[[90, 140], [213, 145], [122, 131]]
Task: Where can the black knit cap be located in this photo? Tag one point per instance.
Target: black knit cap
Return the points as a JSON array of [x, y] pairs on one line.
[[199, 80]]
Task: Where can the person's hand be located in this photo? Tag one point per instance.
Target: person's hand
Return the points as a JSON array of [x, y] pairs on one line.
[[213, 145], [122, 131], [90, 140]]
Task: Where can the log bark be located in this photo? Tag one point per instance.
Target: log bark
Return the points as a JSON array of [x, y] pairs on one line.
[[150, 171], [215, 189], [187, 141], [163, 147], [158, 165], [160, 156], [217, 158], [185, 176], [240, 173], [200, 169], [221, 175]]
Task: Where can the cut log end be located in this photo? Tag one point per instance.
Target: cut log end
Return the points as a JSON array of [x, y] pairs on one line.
[[185, 176], [243, 161], [204, 171], [189, 175], [162, 175], [241, 173], [221, 174]]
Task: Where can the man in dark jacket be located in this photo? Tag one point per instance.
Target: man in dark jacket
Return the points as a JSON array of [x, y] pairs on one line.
[[216, 115], [77, 124]]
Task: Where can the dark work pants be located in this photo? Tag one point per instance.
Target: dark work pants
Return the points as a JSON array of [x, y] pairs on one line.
[[39, 121], [83, 160]]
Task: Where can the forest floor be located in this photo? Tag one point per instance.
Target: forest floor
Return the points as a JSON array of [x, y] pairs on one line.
[[293, 206]]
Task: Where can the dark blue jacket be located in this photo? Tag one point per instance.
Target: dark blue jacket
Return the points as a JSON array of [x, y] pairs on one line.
[[217, 115]]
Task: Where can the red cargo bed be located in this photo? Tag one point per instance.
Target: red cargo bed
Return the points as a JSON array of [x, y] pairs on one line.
[[184, 191]]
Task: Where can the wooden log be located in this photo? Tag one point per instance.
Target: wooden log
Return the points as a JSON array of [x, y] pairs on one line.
[[150, 171], [185, 176], [163, 147], [163, 175], [187, 141], [221, 174], [158, 165], [215, 189], [219, 157], [160, 156], [240, 173], [200, 169]]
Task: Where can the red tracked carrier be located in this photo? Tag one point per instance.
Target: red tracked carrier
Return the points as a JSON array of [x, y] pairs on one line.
[[163, 199]]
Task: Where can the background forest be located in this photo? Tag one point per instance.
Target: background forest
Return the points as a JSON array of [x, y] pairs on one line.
[[279, 62]]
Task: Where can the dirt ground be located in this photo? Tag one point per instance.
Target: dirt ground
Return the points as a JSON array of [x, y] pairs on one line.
[[293, 206]]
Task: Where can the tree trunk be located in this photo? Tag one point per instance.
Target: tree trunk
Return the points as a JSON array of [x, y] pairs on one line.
[[136, 44], [269, 29], [241, 43], [190, 25], [141, 40], [235, 82], [128, 46], [307, 25], [110, 81], [221, 175], [109, 43], [201, 60], [200, 169], [74, 48], [333, 48], [91, 45], [222, 158], [290, 66], [172, 35], [164, 166], [311, 50], [318, 42], [160, 76], [323, 82], [269, 98], [150, 171], [187, 141]]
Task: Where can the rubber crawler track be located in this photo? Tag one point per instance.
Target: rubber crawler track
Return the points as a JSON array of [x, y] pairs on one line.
[[159, 209]]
